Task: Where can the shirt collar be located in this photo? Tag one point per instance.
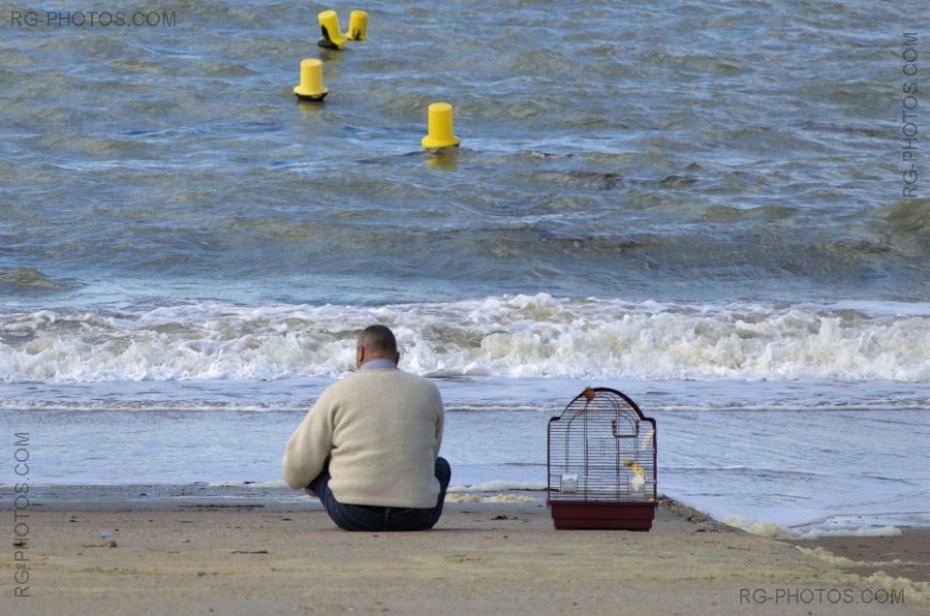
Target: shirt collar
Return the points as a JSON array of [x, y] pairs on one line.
[[378, 364]]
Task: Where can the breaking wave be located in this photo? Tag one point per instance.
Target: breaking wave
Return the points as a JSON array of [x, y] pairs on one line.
[[510, 336]]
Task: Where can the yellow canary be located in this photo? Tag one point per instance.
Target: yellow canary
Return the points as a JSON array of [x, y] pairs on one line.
[[636, 468]]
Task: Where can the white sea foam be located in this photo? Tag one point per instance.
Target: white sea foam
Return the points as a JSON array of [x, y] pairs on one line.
[[918, 592], [512, 336], [498, 485], [777, 531], [761, 528], [500, 497], [863, 531]]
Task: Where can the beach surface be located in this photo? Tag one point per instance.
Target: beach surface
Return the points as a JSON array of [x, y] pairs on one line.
[[224, 552]]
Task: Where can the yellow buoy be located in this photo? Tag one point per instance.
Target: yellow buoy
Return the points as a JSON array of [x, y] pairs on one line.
[[333, 38], [311, 81], [358, 26], [439, 131]]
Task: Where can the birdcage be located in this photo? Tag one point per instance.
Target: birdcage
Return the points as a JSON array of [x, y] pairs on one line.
[[602, 463]]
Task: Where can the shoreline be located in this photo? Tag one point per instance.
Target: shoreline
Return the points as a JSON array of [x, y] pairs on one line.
[[225, 550]]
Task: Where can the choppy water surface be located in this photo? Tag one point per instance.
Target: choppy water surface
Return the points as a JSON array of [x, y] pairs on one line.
[[689, 150], [696, 196]]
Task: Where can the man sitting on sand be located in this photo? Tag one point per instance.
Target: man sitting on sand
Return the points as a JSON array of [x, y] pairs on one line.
[[369, 446]]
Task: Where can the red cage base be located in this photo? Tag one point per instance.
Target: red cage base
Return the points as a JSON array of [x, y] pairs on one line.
[[598, 515]]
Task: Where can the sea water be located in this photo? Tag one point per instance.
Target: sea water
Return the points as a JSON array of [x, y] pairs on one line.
[[698, 203]]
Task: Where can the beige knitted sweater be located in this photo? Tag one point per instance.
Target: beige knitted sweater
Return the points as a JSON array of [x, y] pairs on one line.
[[382, 430]]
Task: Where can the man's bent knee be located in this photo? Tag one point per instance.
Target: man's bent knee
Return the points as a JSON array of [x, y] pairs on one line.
[[443, 470]]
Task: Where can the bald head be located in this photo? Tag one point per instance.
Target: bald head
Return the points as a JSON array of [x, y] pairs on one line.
[[376, 342]]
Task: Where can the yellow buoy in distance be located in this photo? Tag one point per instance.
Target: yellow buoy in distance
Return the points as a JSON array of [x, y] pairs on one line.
[[439, 130], [333, 38], [311, 81], [358, 26]]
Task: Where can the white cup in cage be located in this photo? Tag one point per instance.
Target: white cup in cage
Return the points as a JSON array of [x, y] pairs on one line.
[[569, 483]]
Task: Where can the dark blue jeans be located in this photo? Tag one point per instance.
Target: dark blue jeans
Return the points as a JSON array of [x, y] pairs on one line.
[[371, 518]]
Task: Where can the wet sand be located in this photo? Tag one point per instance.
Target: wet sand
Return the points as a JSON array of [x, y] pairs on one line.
[[905, 556], [210, 551]]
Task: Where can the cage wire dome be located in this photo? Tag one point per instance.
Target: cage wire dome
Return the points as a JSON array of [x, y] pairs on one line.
[[602, 463]]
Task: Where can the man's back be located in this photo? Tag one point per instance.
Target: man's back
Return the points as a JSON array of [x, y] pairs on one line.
[[382, 430]]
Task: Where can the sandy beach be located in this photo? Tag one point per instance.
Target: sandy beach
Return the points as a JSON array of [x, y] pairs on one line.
[[200, 551]]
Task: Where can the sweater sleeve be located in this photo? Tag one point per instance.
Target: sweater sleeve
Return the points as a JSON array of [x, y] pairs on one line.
[[309, 445]]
